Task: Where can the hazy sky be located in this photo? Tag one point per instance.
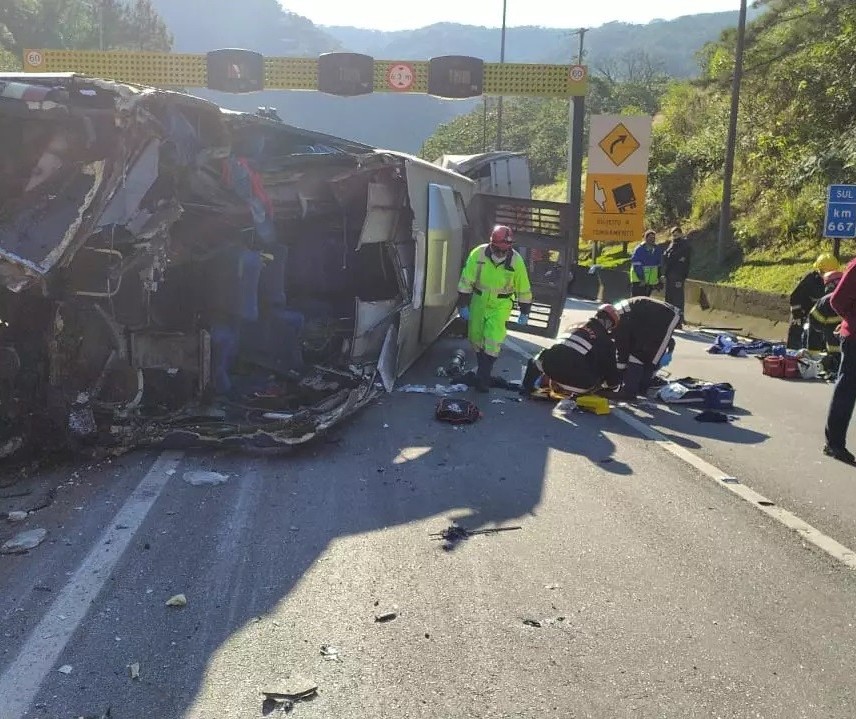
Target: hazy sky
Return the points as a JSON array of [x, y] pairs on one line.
[[407, 14]]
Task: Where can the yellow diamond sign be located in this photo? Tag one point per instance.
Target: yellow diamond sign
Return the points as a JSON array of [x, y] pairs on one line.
[[619, 144]]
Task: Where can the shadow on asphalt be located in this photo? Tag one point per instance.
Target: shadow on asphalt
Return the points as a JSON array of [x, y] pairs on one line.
[[253, 540]]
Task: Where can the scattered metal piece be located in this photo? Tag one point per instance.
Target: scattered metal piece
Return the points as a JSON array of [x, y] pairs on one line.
[[385, 617], [454, 534], [24, 541], [201, 478], [283, 698], [179, 600], [532, 623], [270, 705], [330, 653]]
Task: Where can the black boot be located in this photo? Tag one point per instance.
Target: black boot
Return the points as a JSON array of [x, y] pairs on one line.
[[648, 374], [485, 366], [632, 381], [527, 386]]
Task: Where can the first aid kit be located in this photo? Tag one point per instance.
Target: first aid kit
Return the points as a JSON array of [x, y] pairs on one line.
[[783, 367]]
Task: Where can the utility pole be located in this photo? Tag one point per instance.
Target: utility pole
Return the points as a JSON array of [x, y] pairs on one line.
[[100, 5], [582, 33], [725, 214], [576, 117], [501, 61]]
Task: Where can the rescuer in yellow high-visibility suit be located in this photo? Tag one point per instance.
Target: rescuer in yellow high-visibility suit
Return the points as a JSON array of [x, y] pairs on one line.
[[493, 277]]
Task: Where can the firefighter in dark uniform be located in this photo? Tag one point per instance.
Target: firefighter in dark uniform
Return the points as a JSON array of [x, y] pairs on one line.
[[807, 292], [582, 362], [643, 341], [676, 269], [823, 320]]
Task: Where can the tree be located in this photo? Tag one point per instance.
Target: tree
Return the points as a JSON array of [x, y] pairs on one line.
[[81, 25], [143, 28]]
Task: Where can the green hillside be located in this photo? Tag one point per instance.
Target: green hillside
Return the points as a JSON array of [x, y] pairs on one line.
[[797, 134]]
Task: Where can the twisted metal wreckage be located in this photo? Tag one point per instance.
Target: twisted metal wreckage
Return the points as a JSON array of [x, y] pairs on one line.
[[176, 272]]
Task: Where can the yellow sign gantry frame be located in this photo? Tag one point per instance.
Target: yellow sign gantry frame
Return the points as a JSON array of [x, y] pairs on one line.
[[297, 73]]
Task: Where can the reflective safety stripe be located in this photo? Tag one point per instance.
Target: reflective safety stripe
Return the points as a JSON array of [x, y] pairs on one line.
[[576, 339], [578, 344], [507, 289]]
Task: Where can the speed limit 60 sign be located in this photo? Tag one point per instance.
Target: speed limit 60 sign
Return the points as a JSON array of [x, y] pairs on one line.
[[400, 77], [841, 212]]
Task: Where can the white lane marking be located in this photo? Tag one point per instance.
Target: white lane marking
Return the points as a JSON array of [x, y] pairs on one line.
[[20, 683], [820, 540]]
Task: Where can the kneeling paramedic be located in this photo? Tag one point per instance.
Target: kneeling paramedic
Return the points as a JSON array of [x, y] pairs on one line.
[[581, 363], [643, 340], [823, 320], [493, 277]]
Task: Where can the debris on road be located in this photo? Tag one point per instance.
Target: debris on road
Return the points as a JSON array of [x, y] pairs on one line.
[[736, 346], [202, 478], [714, 417], [24, 541], [284, 697], [66, 669], [385, 617], [566, 406], [454, 534], [134, 670], [330, 653], [438, 390], [551, 587], [541, 623], [16, 516], [179, 600], [457, 411]]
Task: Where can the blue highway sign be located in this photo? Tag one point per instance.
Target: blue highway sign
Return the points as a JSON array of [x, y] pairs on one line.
[[841, 212]]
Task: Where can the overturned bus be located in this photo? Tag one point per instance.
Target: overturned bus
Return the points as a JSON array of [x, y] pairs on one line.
[[174, 272]]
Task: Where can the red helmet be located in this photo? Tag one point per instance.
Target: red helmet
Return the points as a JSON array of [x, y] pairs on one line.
[[833, 277], [502, 237], [609, 312]]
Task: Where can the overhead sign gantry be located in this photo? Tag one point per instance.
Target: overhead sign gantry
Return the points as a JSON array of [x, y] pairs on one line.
[[339, 73]]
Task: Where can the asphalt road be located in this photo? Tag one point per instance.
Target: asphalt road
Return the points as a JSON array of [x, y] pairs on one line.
[[658, 593]]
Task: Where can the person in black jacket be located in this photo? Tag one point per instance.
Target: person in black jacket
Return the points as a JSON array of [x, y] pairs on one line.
[[582, 362], [676, 268], [643, 338], [807, 292], [823, 321]]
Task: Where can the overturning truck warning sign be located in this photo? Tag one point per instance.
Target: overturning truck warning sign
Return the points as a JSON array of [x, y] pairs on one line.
[[614, 207], [617, 180]]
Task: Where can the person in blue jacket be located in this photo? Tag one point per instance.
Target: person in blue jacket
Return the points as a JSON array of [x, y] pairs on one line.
[[646, 267]]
